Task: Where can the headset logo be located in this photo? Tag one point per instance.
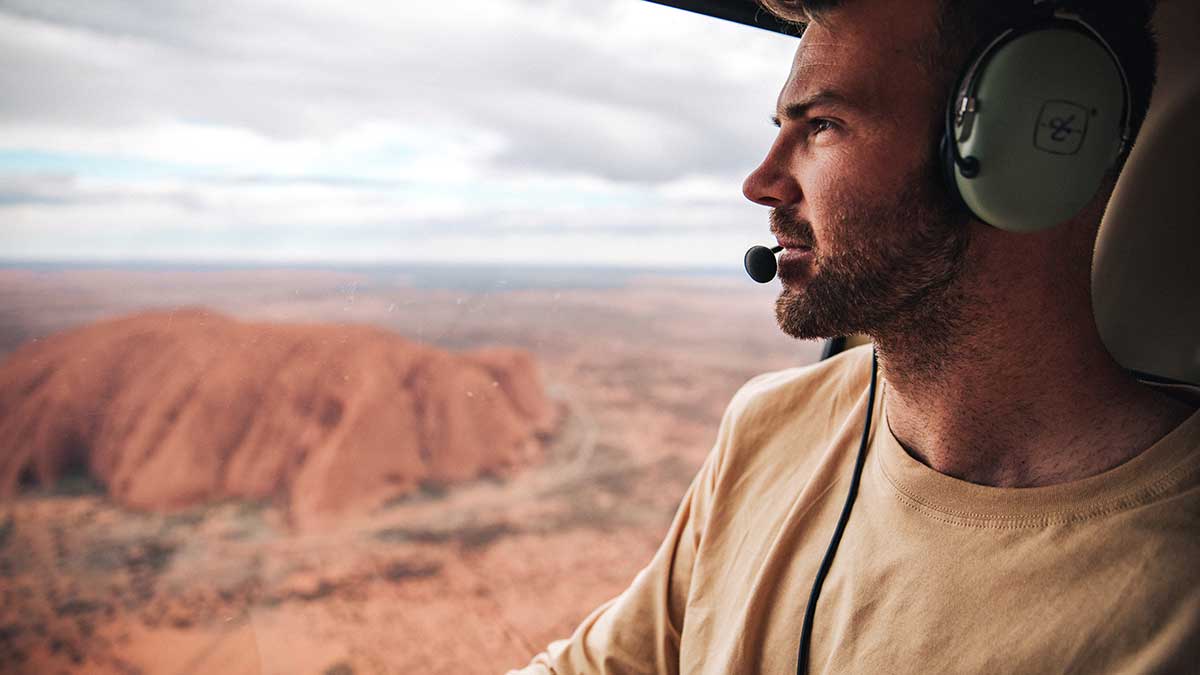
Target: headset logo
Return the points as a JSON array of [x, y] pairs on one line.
[[1061, 127]]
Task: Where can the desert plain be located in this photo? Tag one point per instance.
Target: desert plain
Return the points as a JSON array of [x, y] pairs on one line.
[[469, 575]]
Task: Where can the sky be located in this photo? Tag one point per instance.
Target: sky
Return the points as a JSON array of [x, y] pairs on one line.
[[459, 131]]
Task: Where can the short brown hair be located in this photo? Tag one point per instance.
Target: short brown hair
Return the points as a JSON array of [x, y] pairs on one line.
[[964, 24]]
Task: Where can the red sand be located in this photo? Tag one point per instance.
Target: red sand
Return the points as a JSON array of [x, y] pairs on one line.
[[471, 578]]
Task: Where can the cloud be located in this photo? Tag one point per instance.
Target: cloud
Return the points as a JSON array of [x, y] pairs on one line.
[[610, 116]]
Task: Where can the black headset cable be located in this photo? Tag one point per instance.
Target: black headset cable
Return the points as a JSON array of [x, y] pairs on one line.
[[827, 561]]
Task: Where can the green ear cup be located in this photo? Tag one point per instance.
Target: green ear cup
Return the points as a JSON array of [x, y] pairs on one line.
[[1047, 126]]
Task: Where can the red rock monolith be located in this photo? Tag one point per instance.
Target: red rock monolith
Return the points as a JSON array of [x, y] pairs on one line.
[[173, 409]]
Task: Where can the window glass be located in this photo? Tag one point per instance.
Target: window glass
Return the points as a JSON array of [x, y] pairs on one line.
[[361, 337]]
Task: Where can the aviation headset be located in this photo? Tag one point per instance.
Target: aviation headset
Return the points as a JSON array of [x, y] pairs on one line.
[[1038, 117], [1036, 120]]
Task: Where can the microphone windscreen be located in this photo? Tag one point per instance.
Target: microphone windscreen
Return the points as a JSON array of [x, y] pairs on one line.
[[760, 264]]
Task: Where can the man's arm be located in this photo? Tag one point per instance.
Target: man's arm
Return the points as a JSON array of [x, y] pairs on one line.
[[638, 631]]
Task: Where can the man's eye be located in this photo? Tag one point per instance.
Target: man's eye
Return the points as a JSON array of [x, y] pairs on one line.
[[817, 125]]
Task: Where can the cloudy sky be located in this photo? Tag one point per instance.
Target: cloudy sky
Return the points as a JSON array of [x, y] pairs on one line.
[[514, 131]]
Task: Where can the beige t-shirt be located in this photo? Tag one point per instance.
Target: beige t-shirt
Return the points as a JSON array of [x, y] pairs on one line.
[[933, 575]]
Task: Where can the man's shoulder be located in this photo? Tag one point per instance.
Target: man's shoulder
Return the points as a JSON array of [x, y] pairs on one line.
[[788, 415], [817, 388], [779, 429]]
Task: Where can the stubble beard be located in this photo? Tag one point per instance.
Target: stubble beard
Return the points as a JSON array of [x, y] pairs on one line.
[[888, 267]]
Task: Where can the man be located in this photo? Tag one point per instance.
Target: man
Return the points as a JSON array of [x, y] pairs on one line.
[[1026, 504]]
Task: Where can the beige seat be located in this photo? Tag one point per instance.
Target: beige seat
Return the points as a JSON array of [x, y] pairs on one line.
[[1146, 280]]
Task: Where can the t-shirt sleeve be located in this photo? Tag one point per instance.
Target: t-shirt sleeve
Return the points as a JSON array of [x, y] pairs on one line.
[[638, 631]]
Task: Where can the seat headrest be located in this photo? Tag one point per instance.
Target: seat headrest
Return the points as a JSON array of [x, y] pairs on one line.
[[1146, 278]]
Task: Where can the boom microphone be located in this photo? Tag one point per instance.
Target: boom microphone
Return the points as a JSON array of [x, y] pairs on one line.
[[760, 263]]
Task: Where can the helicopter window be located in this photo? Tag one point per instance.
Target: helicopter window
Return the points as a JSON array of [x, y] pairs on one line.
[[361, 338]]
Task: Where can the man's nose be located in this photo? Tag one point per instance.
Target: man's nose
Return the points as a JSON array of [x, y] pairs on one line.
[[772, 183]]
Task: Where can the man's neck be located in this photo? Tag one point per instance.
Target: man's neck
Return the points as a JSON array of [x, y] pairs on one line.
[[1018, 390]]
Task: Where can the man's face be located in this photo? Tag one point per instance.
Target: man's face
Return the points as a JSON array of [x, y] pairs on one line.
[[870, 235]]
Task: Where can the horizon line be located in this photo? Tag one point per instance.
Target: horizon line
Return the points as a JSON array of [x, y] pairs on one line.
[[231, 263]]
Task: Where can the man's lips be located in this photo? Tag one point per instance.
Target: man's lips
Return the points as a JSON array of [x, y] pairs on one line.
[[795, 262], [793, 245]]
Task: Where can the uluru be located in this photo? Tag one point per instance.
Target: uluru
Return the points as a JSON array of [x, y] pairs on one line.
[[170, 409]]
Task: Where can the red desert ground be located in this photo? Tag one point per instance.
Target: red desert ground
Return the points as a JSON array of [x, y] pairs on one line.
[[325, 473]]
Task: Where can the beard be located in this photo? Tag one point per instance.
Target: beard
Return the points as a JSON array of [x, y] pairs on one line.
[[886, 265]]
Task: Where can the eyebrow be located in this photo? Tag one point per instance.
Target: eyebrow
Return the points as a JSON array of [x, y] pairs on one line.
[[799, 109]]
